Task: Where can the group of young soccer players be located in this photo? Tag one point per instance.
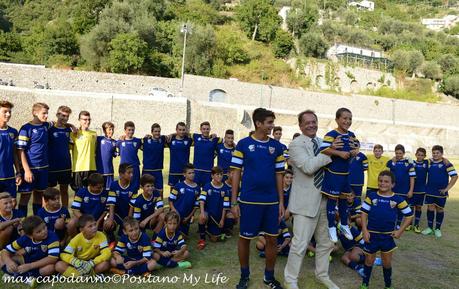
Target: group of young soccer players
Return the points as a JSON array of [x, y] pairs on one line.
[[123, 226]]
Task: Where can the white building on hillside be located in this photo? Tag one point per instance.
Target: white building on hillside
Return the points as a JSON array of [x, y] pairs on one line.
[[338, 49], [440, 23], [363, 5], [283, 13]]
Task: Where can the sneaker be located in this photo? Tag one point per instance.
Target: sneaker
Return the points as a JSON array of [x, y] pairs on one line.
[[408, 228], [363, 286], [273, 284], [346, 232], [290, 285], [117, 271], [201, 244], [378, 262], [437, 233], [416, 229], [184, 265], [332, 234], [360, 271], [311, 254], [427, 231], [243, 283]]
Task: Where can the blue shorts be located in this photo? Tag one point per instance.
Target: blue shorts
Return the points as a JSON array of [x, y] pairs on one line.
[[258, 218], [158, 175], [202, 177], [39, 183], [379, 243], [357, 190], [185, 228], [175, 178], [212, 227], [417, 199], [335, 185], [8, 186], [437, 201], [108, 180], [61, 178]]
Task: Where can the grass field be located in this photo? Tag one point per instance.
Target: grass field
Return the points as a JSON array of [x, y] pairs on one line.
[[420, 263]]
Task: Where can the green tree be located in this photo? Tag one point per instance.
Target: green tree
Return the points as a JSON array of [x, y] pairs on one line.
[[230, 46], [301, 19], [407, 61], [9, 43], [313, 44], [127, 53], [59, 38], [282, 44], [431, 70], [258, 19], [450, 85], [449, 64], [196, 11]]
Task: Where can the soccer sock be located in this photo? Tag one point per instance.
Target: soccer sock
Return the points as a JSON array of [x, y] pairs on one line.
[[387, 276], [331, 213], [202, 231], [23, 209], [138, 270], [362, 259], [352, 265], [269, 275], [417, 217], [71, 271], [167, 262], [430, 218], [439, 219], [367, 273], [35, 208], [245, 272], [343, 210]]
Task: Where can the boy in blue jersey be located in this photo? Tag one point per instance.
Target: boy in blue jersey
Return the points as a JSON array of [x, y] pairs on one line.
[[133, 254], [8, 154], [90, 200], [335, 184], [379, 217], [225, 151], [60, 163], [287, 188], [54, 214], [169, 246], [260, 160], [153, 155], [214, 202], [421, 166], [179, 146], [120, 195], [354, 210], [205, 145], [184, 198], [33, 148], [34, 254], [283, 241], [128, 149], [441, 178], [230, 220], [353, 256], [105, 152], [277, 135], [357, 167], [405, 176], [10, 220], [147, 207]]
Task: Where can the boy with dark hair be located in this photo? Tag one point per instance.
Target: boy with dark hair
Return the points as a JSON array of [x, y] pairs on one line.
[[10, 220], [287, 188], [179, 146], [53, 213], [376, 163], [128, 149], [105, 152], [33, 147], [277, 135], [421, 166], [260, 160], [205, 145], [153, 155], [357, 167], [225, 151]]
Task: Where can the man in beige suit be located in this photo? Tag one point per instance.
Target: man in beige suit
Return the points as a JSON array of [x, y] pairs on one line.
[[307, 204]]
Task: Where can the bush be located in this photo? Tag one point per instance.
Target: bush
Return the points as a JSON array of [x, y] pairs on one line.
[[450, 86], [283, 44], [127, 53], [431, 70], [313, 44]]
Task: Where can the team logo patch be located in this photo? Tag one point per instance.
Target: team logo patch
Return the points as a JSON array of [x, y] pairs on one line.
[[67, 134], [102, 141], [406, 164], [145, 206], [135, 144], [96, 246], [374, 202], [123, 144], [44, 248], [103, 199], [55, 134], [182, 190], [210, 192], [272, 150], [222, 193], [46, 219], [357, 158], [199, 139], [129, 246], [34, 130], [185, 142], [252, 148], [173, 142], [440, 165], [393, 204], [140, 248], [149, 140], [86, 199], [11, 135], [221, 151]]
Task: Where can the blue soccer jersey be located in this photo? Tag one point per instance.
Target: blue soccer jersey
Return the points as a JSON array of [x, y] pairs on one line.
[[105, 152], [33, 139], [357, 240], [403, 171], [357, 166], [135, 249], [128, 150], [185, 198], [382, 212], [224, 156], [59, 149], [14, 215], [89, 203], [215, 199], [120, 197], [354, 208], [204, 152], [153, 153], [438, 178], [285, 150], [8, 139], [50, 217], [287, 195], [338, 165], [166, 241], [144, 206], [179, 154], [421, 169], [35, 251], [259, 162]]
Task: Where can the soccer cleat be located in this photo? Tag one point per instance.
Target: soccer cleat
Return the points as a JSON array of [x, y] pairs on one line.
[[184, 265], [363, 286], [201, 244], [273, 284], [377, 262], [416, 229], [347, 232], [117, 271], [437, 233], [243, 283], [332, 234], [408, 228], [427, 231]]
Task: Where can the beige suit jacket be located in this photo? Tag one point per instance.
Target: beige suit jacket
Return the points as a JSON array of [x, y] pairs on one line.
[[305, 197]]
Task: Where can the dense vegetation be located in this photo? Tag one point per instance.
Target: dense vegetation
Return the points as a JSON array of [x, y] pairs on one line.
[[143, 36]]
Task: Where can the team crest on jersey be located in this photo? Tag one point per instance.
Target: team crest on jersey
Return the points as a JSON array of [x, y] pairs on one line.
[[135, 144], [11, 135], [28, 249], [173, 142], [375, 202], [102, 141], [86, 199], [55, 134], [221, 151], [140, 248], [103, 199], [67, 134], [252, 148], [34, 130], [199, 139], [357, 158], [182, 191], [393, 204], [440, 165], [185, 142], [130, 194], [145, 206], [46, 219], [406, 164], [210, 192], [271, 150], [424, 165], [123, 144], [149, 140], [44, 248], [222, 193]]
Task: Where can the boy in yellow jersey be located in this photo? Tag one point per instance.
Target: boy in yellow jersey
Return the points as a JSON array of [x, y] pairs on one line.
[[87, 252], [376, 164], [84, 151]]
